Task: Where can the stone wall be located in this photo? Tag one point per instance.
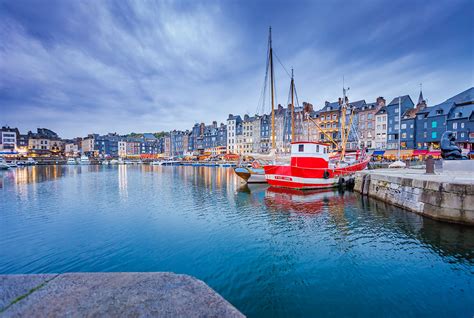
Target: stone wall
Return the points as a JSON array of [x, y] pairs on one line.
[[435, 197]]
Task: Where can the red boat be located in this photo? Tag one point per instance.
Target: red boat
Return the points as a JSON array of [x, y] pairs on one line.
[[311, 168]]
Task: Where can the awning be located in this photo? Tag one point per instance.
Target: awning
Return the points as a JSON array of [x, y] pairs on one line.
[[391, 153], [419, 152], [378, 152], [434, 153], [406, 153]]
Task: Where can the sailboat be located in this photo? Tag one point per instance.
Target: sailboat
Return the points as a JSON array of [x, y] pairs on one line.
[[254, 173], [311, 166]]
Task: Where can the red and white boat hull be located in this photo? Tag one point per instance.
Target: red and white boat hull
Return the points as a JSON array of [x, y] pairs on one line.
[[311, 177]]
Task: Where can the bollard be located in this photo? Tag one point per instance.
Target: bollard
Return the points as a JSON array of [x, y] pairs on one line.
[[430, 165]]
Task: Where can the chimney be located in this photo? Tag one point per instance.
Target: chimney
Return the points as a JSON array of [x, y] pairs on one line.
[[380, 101]]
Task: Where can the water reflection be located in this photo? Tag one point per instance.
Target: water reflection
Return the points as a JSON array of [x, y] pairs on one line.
[[270, 251]]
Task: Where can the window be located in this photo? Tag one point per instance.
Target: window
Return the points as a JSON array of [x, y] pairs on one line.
[[434, 124], [369, 116], [300, 148], [322, 117], [462, 125], [334, 116], [425, 125], [425, 134], [433, 135], [362, 117], [455, 125], [396, 110], [404, 126], [404, 135], [462, 135], [369, 125]]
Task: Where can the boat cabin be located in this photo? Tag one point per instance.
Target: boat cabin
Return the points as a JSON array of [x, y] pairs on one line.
[[306, 154]]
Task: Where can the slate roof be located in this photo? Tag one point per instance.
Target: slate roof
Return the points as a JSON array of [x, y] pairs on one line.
[[404, 98], [358, 104], [382, 110], [463, 97], [461, 111], [330, 107], [149, 136]]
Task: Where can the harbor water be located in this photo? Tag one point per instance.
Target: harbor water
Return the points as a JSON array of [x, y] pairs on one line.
[[270, 252]]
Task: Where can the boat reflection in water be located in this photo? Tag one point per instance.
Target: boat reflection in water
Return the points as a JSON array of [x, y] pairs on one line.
[[304, 201]]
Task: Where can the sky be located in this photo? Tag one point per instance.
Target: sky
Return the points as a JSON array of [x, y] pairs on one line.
[[88, 66]]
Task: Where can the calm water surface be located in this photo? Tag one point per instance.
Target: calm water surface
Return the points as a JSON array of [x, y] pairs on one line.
[[269, 252]]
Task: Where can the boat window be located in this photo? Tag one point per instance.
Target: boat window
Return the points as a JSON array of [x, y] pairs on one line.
[[300, 148], [317, 148]]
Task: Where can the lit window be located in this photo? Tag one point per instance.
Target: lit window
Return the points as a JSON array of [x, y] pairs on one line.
[[433, 135], [434, 124]]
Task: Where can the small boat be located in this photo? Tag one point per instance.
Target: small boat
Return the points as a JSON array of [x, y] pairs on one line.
[[71, 161], [3, 164], [251, 174], [21, 163], [12, 164], [31, 162], [155, 163], [170, 162], [311, 168], [84, 160], [105, 162], [114, 162]]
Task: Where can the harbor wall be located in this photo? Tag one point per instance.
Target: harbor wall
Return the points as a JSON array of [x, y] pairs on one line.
[[436, 197]]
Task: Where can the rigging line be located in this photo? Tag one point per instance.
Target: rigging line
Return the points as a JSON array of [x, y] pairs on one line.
[[278, 59]]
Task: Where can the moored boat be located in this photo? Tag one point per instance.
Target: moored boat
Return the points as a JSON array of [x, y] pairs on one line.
[[71, 161], [3, 164], [251, 174], [84, 160], [311, 168]]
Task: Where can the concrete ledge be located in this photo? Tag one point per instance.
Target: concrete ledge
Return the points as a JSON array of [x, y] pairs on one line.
[[445, 197], [110, 295]]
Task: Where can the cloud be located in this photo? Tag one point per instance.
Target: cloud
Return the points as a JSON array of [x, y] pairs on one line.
[[84, 66]]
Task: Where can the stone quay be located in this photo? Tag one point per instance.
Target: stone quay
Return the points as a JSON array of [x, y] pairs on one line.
[[447, 195], [158, 294]]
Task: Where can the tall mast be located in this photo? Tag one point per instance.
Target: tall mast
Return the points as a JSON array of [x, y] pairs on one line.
[[272, 89], [292, 107]]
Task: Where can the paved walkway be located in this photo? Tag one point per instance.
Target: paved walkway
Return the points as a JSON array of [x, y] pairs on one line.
[[110, 295], [465, 177]]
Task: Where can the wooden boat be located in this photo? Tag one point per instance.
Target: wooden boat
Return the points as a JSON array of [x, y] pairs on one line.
[[251, 174], [310, 168]]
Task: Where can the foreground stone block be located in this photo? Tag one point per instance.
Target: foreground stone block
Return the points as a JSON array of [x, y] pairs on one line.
[[117, 295]]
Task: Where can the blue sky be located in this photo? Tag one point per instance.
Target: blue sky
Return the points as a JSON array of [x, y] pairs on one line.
[[79, 67]]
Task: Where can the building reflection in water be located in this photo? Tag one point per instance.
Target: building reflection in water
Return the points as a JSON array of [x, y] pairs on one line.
[[122, 181]]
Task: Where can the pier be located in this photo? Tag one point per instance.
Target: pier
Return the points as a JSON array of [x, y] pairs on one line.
[[157, 294], [445, 196]]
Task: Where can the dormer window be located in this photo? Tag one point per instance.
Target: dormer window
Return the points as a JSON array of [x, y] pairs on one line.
[[439, 112]]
